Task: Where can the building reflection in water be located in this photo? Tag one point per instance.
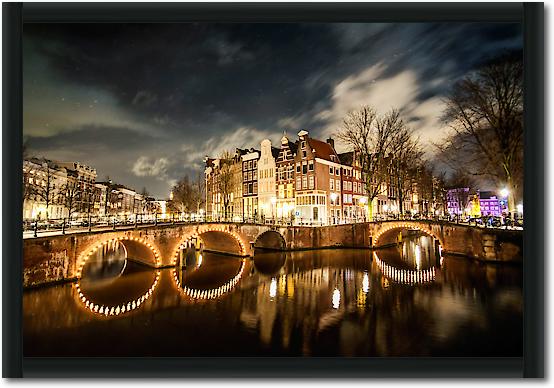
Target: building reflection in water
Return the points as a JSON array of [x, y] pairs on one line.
[[320, 303]]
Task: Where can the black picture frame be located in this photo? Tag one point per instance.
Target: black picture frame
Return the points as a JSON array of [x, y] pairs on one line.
[[532, 362]]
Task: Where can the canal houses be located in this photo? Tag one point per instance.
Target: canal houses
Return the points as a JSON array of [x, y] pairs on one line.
[[285, 178], [317, 181], [250, 184], [354, 198]]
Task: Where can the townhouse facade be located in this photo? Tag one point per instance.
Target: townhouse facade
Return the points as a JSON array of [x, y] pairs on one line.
[[305, 182], [285, 202]]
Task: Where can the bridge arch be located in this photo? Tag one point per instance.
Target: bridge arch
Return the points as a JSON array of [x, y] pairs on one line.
[[212, 238], [387, 227], [270, 239], [136, 248]]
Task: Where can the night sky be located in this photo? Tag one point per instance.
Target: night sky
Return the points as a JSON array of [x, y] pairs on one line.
[[145, 103]]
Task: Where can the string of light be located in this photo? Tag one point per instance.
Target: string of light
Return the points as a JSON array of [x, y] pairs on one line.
[[210, 293]]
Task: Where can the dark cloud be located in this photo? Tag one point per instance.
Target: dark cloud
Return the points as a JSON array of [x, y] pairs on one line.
[[130, 95]]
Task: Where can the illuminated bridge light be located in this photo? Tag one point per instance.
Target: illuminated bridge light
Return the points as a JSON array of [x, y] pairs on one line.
[[212, 293], [123, 308], [406, 276]]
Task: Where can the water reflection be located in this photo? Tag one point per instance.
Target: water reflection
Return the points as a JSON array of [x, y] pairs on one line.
[[413, 261], [320, 303], [211, 281], [110, 286]]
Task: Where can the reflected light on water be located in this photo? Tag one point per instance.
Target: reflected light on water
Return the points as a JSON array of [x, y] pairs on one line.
[[199, 261], [336, 298], [418, 256], [273, 288], [120, 308], [365, 283], [212, 293]]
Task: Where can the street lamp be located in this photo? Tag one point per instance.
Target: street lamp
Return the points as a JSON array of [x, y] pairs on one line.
[[520, 208], [504, 192]]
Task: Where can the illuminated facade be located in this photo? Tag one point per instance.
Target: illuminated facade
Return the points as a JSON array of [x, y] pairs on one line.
[[284, 179], [250, 183], [266, 180]]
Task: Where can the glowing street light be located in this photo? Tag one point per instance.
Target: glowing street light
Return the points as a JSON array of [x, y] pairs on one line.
[[519, 208], [385, 207], [504, 192]]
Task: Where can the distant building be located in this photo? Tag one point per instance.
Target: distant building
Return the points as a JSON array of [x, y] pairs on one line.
[[224, 185], [354, 198], [250, 183], [54, 189], [490, 204], [458, 200]]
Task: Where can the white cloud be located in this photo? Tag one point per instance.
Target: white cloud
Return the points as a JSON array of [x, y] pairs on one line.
[[145, 166], [242, 137], [384, 94]]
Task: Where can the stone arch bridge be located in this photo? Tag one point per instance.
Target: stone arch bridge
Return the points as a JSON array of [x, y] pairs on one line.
[[55, 258]]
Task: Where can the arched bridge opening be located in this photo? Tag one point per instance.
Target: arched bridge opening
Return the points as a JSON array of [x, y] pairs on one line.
[[211, 240], [270, 240], [136, 249], [390, 234]]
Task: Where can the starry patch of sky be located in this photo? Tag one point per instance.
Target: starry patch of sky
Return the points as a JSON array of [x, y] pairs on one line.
[[145, 103]]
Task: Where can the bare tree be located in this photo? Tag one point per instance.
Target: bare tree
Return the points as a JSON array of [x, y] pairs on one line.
[[408, 156], [45, 189], [225, 180], [200, 191], [375, 139], [182, 200], [485, 113], [70, 195], [27, 167]]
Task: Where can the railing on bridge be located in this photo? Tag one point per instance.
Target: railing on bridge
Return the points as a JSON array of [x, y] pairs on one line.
[[34, 228]]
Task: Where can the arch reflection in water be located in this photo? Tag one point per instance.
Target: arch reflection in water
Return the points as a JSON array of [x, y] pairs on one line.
[[105, 278], [269, 263], [202, 274], [412, 261], [120, 308]]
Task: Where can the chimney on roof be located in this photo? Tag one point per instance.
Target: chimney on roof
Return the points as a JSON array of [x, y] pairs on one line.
[[331, 142], [302, 133]]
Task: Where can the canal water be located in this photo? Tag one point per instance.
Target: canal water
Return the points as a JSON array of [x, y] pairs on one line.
[[406, 300]]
